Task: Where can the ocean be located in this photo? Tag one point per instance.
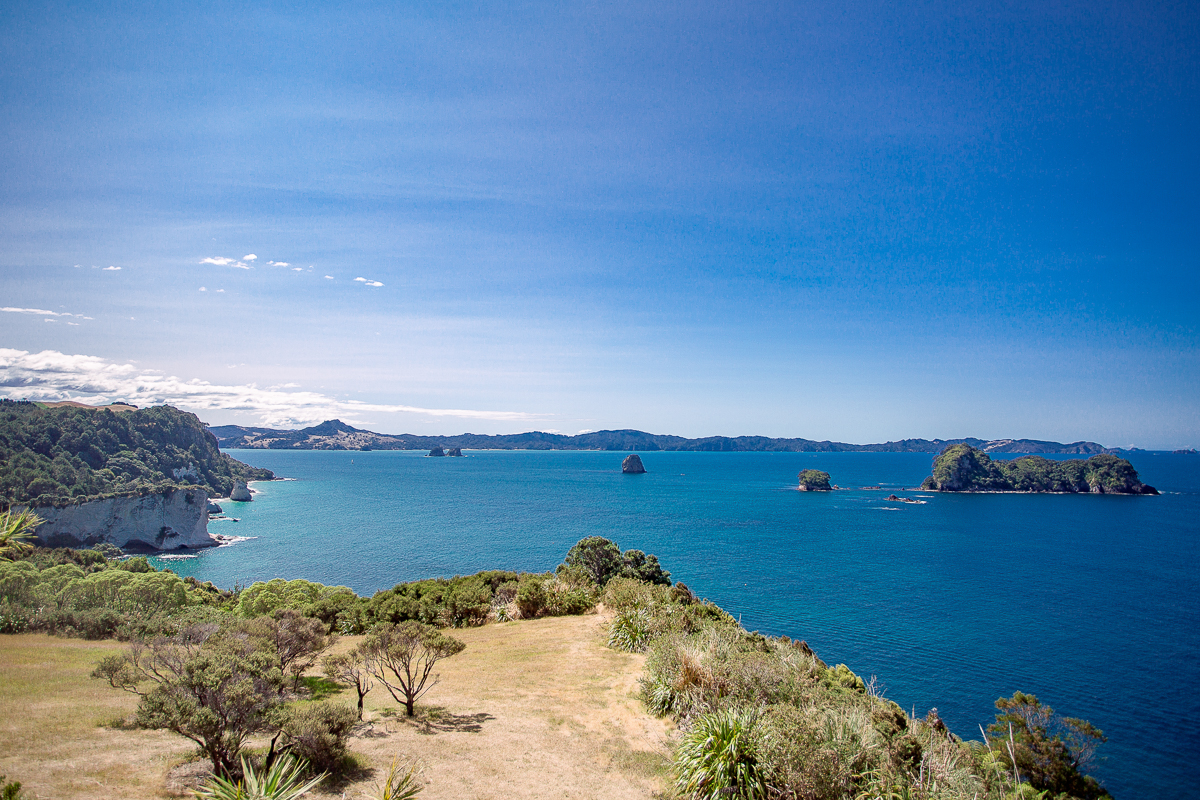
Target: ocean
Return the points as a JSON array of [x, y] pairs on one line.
[[1089, 602]]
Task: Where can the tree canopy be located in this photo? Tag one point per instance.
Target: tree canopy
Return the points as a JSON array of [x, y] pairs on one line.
[[56, 456]]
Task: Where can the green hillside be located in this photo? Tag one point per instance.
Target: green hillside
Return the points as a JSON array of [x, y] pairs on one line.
[[57, 456]]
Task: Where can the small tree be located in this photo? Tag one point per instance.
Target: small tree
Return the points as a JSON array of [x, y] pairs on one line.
[[211, 686], [644, 567], [299, 640], [351, 668], [1052, 751], [599, 556], [402, 657]]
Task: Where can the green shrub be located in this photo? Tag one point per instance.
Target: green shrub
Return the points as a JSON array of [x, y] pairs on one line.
[[718, 758], [794, 760], [316, 732], [531, 595], [630, 630]]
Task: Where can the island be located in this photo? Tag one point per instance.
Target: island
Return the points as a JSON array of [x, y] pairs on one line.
[[814, 480], [963, 468], [632, 465]]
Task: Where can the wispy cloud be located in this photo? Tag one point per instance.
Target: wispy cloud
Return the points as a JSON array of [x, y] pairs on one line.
[[250, 257], [297, 269], [222, 261], [279, 263], [42, 312], [204, 288], [328, 277], [111, 268], [51, 375], [367, 282]]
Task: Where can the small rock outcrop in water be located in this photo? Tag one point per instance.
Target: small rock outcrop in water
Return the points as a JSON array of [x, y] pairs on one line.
[[455, 451], [240, 493], [632, 465], [962, 468], [213, 508], [437, 452], [814, 480]]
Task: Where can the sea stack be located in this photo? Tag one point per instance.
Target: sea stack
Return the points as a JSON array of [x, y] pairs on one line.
[[456, 452], [240, 493], [632, 465], [437, 452], [814, 480]]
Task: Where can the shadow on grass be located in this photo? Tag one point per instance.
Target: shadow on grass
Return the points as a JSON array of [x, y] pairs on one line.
[[320, 688], [431, 720]]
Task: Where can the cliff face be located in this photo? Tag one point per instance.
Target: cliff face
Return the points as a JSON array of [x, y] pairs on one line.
[[168, 520]]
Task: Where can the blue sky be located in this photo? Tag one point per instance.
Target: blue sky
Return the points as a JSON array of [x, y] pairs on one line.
[[836, 220]]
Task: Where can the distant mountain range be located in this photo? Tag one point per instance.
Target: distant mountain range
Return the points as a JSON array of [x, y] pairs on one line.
[[336, 435]]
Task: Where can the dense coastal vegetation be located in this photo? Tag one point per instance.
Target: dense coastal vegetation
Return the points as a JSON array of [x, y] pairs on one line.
[[758, 716], [962, 468], [69, 454], [337, 435]]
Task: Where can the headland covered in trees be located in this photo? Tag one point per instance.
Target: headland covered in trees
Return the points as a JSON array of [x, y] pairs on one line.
[[247, 675], [55, 456], [337, 435]]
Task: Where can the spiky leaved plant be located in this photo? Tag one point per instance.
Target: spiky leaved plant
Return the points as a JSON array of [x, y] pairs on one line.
[[630, 630], [16, 529], [401, 783], [718, 759], [281, 782]]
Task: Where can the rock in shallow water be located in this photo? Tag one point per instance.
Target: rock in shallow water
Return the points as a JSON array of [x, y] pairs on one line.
[[240, 493]]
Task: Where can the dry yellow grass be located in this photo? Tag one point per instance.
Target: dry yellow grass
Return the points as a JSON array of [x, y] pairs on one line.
[[532, 709]]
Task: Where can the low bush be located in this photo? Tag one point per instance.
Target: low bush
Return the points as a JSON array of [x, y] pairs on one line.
[[317, 732]]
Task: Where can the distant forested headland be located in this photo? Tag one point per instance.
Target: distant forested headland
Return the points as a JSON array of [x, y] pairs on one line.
[[71, 454], [337, 435]]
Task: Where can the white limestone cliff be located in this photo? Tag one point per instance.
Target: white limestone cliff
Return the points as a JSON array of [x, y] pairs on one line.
[[164, 521]]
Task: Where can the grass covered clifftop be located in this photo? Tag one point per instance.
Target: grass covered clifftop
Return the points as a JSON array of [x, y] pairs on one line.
[[71, 454], [962, 468], [532, 704]]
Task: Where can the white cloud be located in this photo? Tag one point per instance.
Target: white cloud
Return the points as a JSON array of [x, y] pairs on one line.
[[250, 257], [75, 324], [328, 277], [111, 268], [49, 320], [51, 375], [42, 312], [222, 261], [203, 289], [220, 291], [368, 282], [279, 263], [297, 269], [585, 430]]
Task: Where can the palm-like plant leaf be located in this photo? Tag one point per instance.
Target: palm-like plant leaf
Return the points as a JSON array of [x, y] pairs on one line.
[[281, 782], [15, 532]]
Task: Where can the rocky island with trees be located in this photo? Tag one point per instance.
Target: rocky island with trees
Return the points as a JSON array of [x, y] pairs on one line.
[[962, 468]]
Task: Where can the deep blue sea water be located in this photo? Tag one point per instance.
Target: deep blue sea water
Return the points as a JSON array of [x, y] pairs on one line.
[[1089, 602]]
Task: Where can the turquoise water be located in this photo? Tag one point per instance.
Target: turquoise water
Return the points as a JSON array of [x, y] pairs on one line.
[[1088, 602]]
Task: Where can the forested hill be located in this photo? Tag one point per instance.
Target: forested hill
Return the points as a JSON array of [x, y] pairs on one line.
[[337, 435], [55, 456]]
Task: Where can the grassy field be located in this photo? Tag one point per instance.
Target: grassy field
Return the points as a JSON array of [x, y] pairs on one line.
[[532, 709]]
